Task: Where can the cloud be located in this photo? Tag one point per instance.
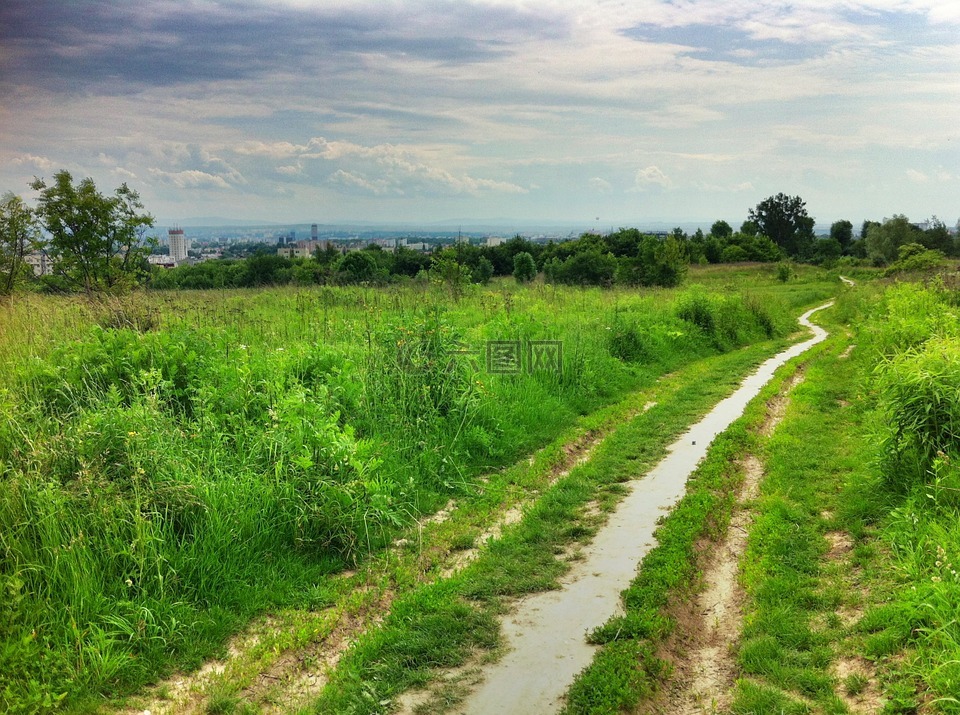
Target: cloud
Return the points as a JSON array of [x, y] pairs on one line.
[[123, 173], [917, 176], [37, 162], [119, 46], [380, 169], [378, 187], [601, 185], [649, 177], [190, 179]]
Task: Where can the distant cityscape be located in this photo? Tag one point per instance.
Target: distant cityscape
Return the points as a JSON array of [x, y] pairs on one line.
[[177, 245]]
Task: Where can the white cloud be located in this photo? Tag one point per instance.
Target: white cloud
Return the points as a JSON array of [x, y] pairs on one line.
[[917, 176], [124, 174], [601, 185], [29, 160], [651, 176], [190, 179]]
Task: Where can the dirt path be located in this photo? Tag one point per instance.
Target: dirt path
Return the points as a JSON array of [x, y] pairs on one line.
[[702, 648], [545, 632]]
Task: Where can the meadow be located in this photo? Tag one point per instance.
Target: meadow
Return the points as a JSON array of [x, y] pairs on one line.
[[173, 463]]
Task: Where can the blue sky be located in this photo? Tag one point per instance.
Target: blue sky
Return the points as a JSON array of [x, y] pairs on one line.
[[585, 111]]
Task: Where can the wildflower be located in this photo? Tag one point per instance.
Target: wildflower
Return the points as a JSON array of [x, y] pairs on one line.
[[131, 434], [936, 579]]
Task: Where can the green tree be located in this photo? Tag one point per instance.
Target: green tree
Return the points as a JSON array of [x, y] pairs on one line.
[[95, 241], [721, 229], [784, 219], [483, 272], [358, 267], [19, 236], [936, 237], [842, 233], [590, 267], [883, 241], [446, 270], [524, 267]]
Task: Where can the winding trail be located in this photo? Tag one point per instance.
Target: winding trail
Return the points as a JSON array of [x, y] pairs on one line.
[[545, 633]]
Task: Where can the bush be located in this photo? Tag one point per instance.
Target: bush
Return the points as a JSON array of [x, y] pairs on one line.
[[918, 394], [524, 267]]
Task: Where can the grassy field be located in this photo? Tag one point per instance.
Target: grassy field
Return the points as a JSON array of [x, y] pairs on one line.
[[850, 580], [175, 463]]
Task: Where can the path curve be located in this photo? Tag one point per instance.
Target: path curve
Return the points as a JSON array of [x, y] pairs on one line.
[[545, 634]]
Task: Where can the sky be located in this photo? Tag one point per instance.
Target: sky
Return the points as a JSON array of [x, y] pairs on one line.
[[597, 112]]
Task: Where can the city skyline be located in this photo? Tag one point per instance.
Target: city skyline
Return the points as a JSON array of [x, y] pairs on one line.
[[582, 111]]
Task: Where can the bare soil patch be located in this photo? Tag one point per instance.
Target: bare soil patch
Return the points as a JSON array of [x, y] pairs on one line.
[[858, 685]]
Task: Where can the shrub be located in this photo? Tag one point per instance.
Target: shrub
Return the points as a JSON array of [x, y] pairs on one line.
[[918, 393]]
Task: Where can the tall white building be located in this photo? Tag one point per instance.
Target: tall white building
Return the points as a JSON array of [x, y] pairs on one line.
[[178, 245]]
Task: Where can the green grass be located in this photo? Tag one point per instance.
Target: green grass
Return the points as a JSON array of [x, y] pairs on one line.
[[854, 458], [525, 559], [670, 572], [176, 463]]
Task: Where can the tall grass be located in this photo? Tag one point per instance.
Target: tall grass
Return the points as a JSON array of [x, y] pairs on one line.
[[910, 355], [175, 463]]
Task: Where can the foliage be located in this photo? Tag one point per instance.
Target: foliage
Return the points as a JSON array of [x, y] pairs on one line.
[[19, 237], [589, 267], [721, 229], [785, 221], [95, 241], [842, 233], [914, 257], [524, 268], [903, 505], [483, 272], [883, 241]]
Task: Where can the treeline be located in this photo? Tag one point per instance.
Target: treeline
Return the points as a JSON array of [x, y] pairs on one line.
[[626, 257], [95, 243]]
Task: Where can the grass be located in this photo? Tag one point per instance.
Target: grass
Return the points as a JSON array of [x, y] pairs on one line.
[[177, 463], [853, 462], [625, 672], [785, 646], [524, 560]]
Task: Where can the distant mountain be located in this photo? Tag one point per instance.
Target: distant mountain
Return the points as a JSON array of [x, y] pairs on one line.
[[209, 221]]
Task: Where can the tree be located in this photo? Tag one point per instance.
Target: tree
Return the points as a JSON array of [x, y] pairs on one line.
[[721, 229], [842, 233], [590, 267], [19, 236], [95, 241], [483, 272], [936, 237], [358, 267], [784, 219], [883, 241], [524, 268]]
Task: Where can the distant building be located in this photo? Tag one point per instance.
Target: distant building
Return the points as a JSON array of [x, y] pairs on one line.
[[493, 241], [179, 246], [304, 249], [41, 265], [314, 232]]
